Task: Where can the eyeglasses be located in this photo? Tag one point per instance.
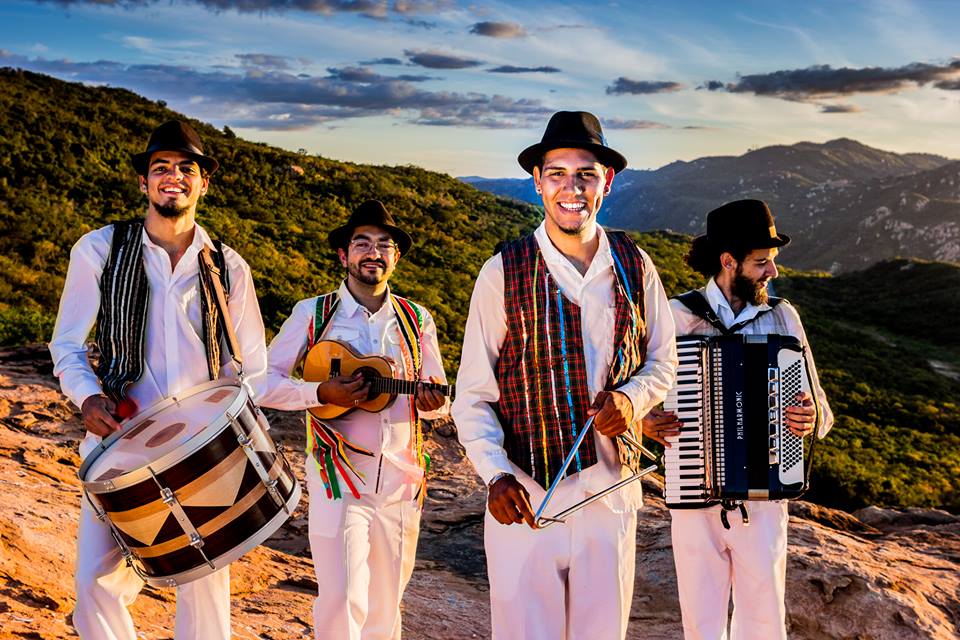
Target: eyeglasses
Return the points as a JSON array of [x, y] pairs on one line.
[[383, 248]]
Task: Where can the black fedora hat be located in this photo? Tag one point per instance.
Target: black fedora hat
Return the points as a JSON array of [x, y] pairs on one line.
[[174, 135], [371, 212], [744, 224], [573, 130]]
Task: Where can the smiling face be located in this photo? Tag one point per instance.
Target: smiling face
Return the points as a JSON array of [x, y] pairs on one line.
[[371, 255], [173, 184], [573, 184]]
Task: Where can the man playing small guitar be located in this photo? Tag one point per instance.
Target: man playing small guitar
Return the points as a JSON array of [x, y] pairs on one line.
[[365, 471]]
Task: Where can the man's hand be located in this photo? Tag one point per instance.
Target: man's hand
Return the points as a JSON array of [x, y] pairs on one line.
[[614, 413], [344, 391], [97, 412], [509, 502], [659, 425], [429, 399], [801, 420]]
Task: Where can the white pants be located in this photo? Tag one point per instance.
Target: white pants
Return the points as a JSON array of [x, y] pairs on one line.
[[363, 554], [569, 581], [106, 586], [750, 561]]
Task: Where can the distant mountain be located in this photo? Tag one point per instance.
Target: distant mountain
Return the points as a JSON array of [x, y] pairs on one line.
[[519, 189], [845, 204]]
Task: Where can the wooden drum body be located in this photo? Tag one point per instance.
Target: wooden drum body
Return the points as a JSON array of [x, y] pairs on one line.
[[191, 484]]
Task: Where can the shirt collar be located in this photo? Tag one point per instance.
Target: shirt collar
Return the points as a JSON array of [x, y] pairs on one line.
[[349, 304], [200, 238], [718, 302], [552, 256]]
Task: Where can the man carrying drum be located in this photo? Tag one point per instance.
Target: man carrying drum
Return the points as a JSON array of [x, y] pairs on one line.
[[364, 508], [139, 283], [567, 323]]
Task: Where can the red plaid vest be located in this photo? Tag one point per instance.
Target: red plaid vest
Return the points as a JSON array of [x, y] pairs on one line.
[[542, 371]]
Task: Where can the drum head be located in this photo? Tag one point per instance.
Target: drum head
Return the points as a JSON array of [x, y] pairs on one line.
[[161, 429]]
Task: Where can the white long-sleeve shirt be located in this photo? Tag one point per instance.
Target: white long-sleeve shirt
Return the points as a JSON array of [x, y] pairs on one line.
[[175, 357], [388, 433], [479, 429], [783, 319]]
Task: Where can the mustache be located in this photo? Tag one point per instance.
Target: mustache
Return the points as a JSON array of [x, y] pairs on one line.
[[378, 262]]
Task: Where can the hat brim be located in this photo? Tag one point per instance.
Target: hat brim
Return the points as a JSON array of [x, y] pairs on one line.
[[141, 161], [532, 155], [340, 237]]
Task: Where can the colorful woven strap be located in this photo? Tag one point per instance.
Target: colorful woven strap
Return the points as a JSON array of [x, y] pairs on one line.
[[328, 449]]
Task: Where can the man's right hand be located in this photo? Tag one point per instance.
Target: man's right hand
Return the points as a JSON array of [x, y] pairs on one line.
[[97, 412], [509, 502], [344, 391]]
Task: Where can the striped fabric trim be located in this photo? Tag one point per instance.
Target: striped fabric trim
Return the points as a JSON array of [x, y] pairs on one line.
[[213, 336], [122, 320]]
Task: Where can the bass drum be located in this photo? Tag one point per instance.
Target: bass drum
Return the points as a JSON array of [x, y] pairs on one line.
[[191, 484]]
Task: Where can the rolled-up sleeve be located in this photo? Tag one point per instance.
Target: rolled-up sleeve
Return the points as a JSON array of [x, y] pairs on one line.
[[478, 428]]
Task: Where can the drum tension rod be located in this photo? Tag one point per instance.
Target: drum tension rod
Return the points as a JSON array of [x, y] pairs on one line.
[[169, 498], [247, 444]]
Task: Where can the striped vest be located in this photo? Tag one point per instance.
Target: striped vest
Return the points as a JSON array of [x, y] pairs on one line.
[[122, 319], [542, 371]]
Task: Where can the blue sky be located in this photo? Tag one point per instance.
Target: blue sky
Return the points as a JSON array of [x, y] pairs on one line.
[[462, 87]]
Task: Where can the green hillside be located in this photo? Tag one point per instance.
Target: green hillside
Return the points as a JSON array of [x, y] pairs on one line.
[[64, 170]]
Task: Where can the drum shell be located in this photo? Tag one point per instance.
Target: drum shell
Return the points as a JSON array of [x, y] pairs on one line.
[[237, 511]]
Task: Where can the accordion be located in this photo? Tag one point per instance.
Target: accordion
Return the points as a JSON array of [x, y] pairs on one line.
[[731, 395]]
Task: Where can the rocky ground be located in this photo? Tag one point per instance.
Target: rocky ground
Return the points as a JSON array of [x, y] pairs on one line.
[[875, 575]]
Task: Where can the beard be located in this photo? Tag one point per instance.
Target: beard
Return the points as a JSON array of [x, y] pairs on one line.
[[171, 211], [751, 291], [356, 270]]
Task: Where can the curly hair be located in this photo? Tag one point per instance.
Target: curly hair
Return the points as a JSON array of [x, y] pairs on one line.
[[704, 256]]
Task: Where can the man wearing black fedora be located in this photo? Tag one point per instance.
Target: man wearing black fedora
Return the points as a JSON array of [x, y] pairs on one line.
[[568, 323], [716, 555], [364, 506], [139, 283]]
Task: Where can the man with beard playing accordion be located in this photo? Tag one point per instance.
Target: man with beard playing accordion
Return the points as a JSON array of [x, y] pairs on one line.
[[733, 545]]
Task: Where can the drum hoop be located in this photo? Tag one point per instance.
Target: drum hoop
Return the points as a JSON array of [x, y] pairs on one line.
[[172, 458]]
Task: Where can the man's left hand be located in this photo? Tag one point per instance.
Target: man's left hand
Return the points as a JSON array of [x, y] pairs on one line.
[[429, 399], [802, 419], [614, 413]]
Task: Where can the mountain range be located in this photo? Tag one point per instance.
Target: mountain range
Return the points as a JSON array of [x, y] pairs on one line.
[[846, 205]]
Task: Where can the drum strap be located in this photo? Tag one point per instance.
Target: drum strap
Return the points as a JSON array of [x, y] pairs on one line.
[[217, 324]]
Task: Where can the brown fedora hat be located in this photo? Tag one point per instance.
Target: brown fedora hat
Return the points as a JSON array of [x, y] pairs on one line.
[[744, 224], [371, 212], [572, 130], [174, 135]]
